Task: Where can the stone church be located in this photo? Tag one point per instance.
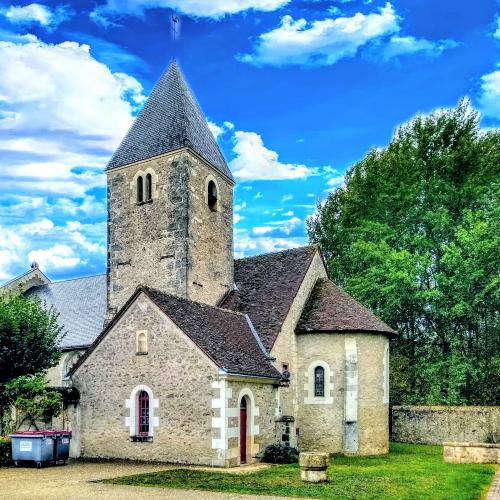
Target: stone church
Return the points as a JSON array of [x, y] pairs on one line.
[[181, 353]]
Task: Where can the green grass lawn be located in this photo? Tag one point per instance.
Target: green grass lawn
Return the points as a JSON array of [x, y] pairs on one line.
[[409, 471]]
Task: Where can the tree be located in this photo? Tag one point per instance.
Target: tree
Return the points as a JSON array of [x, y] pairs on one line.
[[28, 340], [415, 236], [33, 401]]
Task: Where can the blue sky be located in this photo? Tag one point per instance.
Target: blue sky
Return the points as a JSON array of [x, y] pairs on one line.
[[295, 91]]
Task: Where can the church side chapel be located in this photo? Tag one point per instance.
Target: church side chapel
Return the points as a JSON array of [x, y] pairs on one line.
[[181, 353]]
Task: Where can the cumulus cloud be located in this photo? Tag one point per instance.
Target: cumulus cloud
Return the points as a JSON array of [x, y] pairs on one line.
[[405, 45], [254, 161], [62, 114], [56, 257], [489, 96], [325, 42], [246, 245], [36, 13], [322, 42], [196, 8], [496, 34]]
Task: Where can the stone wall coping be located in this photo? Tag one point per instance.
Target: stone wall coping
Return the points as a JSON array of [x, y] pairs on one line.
[[473, 445], [423, 408]]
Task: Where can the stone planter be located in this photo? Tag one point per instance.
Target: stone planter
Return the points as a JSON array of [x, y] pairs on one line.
[[313, 466], [471, 453]]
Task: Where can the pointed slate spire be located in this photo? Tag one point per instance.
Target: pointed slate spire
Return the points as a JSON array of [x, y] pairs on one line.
[[171, 119]]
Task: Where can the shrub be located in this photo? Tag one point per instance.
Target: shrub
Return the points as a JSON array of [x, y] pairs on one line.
[[278, 453], [5, 451]]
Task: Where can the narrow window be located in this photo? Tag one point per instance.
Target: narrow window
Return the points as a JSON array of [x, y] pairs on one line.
[[140, 191], [142, 343], [212, 196], [143, 414], [149, 187], [319, 382]]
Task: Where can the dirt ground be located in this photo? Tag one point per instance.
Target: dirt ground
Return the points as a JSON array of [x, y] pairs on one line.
[[75, 481]]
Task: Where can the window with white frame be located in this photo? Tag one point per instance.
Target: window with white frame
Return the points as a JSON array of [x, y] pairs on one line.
[[142, 342], [319, 386]]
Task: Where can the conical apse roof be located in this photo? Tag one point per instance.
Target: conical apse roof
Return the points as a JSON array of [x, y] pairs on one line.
[[171, 119]]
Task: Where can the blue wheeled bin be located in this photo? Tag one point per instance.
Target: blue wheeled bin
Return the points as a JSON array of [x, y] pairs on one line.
[[33, 446], [62, 441]]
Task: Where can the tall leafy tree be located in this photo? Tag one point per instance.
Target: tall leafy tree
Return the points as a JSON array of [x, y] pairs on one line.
[[28, 341], [415, 235]]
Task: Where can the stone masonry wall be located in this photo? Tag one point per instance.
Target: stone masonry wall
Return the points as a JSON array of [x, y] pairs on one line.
[[174, 242], [438, 424], [179, 375], [261, 402], [321, 420], [210, 248], [147, 242], [285, 347]]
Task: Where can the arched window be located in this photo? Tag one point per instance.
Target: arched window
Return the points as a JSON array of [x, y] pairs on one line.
[[149, 187], [140, 189], [319, 382], [212, 196], [142, 343], [143, 413]]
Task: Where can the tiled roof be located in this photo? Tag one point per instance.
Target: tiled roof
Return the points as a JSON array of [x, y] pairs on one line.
[[329, 309], [171, 119], [81, 304], [226, 337], [266, 287]]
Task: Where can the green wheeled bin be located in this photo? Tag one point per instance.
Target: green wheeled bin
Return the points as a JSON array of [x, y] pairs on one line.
[[32, 446]]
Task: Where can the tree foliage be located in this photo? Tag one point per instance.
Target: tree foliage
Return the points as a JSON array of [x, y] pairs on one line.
[[415, 235], [28, 340], [33, 401]]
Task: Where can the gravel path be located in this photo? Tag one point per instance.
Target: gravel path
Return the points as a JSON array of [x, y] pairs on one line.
[[494, 492], [75, 482]]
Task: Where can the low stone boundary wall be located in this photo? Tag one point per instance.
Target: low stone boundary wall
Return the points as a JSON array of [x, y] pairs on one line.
[[439, 424], [471, 453]]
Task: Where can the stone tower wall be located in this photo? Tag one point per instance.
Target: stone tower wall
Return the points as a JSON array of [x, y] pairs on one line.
[[173, 243], [210, 248]]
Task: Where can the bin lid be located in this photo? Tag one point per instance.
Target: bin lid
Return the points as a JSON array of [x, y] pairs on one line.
[[41, 433]]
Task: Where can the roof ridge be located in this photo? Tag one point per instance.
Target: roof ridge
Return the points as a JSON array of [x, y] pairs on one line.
[[287, 250], [203, 304]]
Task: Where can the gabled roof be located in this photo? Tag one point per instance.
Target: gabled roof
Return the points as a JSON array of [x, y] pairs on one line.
[[329, 309], [81, 304], [25, 281], [266, 288], [171, 119], [224, 336]]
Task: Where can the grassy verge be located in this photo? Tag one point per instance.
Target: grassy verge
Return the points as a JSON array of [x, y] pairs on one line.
[[409, 471]]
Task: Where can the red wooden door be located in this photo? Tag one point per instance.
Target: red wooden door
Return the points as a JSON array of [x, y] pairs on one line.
[[243, 431]]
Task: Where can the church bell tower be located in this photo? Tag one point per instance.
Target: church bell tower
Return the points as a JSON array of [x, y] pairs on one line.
[[170, 202]]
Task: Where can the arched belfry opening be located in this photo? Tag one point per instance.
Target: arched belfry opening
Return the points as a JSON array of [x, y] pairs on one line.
[[212, 196]]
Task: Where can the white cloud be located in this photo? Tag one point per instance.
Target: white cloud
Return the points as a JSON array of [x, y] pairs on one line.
[[62, 114], [258, 196], [60, 110], [195, 8], [246, 245], [323, 42], [57, 257], [215, 129], [496, 34], [286, 197], [237, 218], [405, 45], [255, 162], [489, 97], [288, 214], [36, 13], [336, 182]]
